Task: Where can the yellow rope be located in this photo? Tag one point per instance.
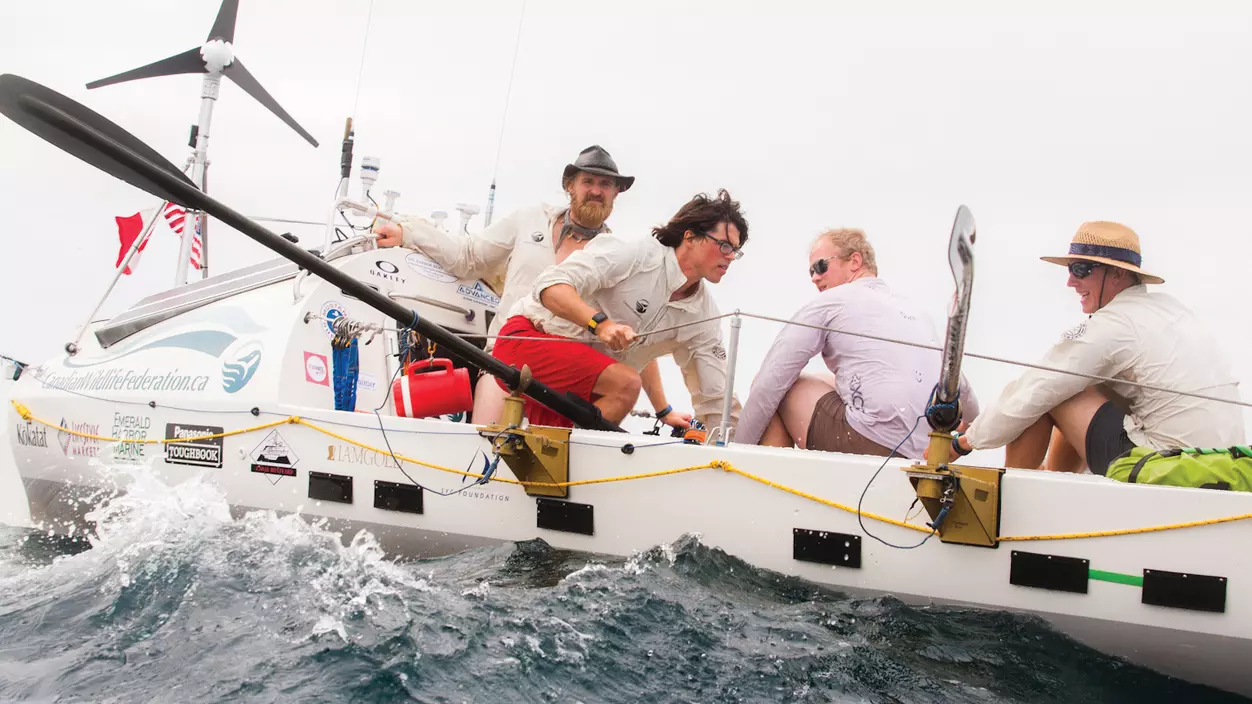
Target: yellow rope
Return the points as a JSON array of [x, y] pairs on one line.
[[825, 502], [25, 413], [1129, 531]]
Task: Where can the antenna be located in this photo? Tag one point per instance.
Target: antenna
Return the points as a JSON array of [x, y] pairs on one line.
[[215, 59], [467, 211]]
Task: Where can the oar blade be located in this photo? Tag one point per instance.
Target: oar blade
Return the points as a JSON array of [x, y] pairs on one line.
[[62, 122]]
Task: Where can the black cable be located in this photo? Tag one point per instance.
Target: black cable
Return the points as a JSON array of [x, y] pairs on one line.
[[860, 518]]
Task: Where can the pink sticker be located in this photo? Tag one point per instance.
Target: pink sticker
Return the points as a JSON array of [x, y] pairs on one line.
[[316, 370]]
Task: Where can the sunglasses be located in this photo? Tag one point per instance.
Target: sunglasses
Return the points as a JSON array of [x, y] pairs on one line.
[[821, 266], [1082, 269]]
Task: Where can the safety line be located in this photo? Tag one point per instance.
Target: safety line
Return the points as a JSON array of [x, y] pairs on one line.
[[26, 415]]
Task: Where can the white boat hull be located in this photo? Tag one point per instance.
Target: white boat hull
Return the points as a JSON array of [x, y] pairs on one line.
[[136, 390]]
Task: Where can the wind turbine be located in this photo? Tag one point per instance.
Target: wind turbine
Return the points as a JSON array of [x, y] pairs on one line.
[[215, 58]]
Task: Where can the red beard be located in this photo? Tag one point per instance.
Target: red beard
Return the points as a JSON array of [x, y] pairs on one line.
[[590, 214]]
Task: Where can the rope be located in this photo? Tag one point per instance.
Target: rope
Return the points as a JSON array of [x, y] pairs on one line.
[[879, 338], [1002, 360], [26, 415], [1127, 531]]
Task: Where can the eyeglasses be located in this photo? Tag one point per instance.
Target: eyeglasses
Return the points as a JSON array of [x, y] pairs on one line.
[[1082, 269], [727, 249], [821, 266]]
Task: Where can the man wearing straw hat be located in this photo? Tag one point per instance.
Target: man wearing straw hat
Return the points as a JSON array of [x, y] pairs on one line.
[[1132, 334], [519, 247]]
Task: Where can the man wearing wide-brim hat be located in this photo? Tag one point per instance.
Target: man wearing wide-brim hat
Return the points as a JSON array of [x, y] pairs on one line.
[[1132, 334], [519, 247]]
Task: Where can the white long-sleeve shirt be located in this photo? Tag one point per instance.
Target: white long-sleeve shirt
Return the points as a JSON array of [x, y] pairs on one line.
[[514, 249], [1141, 336], [631, 281], [885, 386]]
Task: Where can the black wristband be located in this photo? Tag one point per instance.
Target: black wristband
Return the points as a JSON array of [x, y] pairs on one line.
[[595, 321], [664, 412], [956, 445]]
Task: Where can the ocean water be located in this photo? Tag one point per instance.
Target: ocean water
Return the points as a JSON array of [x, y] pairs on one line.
[[175, 601]]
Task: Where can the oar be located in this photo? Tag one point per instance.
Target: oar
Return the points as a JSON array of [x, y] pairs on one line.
[[78, 130]]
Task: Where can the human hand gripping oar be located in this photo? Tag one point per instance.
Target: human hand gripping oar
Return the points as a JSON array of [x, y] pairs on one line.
[[87, 135]]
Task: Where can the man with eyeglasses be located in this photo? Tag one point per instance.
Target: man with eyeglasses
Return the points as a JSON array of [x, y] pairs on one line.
[[876, 390], [612, 294], [1131, 334]]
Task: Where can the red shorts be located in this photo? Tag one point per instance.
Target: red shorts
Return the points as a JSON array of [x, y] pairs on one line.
[[563, 366]]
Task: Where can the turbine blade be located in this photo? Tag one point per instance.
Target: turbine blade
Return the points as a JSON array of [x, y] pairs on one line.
[[187, 62], [237, 73], [224, 25]]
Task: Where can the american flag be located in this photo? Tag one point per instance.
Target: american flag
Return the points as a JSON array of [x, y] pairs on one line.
[[176, 218]]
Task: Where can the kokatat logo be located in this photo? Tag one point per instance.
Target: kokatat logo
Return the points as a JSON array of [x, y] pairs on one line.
[[641, 306], [240, 367], [31, 435], [478, 294], [537, 236]]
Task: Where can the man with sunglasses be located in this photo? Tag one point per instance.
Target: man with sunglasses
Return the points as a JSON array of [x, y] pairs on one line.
[[612, 294], [876, 390], [1131, 334]]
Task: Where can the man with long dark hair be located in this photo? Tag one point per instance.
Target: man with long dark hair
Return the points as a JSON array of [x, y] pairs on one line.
[[612, 293]]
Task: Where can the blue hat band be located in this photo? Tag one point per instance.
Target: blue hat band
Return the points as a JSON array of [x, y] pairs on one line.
[[1120, 254]]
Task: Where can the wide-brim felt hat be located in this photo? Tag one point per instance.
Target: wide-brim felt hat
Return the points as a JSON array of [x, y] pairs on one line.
[[1109, 243], [595, 160]]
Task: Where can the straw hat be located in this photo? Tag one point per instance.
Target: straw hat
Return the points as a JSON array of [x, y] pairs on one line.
[[1108, 243]]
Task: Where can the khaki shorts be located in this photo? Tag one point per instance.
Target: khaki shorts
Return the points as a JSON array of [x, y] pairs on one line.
[[829, 430]]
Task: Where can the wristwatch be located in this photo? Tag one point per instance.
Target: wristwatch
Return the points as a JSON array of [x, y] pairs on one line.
[[595, 321]]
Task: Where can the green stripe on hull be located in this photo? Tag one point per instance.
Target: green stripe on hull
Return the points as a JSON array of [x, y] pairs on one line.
[[1116, 577]]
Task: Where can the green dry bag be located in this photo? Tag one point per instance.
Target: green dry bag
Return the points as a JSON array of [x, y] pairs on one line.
[[1228, 469]]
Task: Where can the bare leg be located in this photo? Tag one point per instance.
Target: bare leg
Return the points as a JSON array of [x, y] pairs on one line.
[[1070, 419], [1073, 417], [488, 401], [1028, 450], [796, 409], [776, 434], [618, 388], [1062, 457]]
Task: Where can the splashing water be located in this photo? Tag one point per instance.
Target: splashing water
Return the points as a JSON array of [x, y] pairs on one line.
[[175, 601]]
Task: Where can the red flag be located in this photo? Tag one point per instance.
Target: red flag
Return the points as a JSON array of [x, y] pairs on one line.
[[128, 229]]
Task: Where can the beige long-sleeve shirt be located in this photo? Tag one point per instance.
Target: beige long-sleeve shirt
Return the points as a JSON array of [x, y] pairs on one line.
[[631, 281], [1141, 336], [514, 249]]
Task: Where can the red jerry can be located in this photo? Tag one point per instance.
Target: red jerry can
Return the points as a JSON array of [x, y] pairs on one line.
[[431, 388]]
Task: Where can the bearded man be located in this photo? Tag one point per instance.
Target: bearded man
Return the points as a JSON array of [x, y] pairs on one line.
[[519, 247]]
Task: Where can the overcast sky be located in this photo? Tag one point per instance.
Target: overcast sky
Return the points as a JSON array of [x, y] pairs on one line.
[[884, 116]]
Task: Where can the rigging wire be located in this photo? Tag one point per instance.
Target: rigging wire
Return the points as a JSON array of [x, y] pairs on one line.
[[360, 74], [508, 94]]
